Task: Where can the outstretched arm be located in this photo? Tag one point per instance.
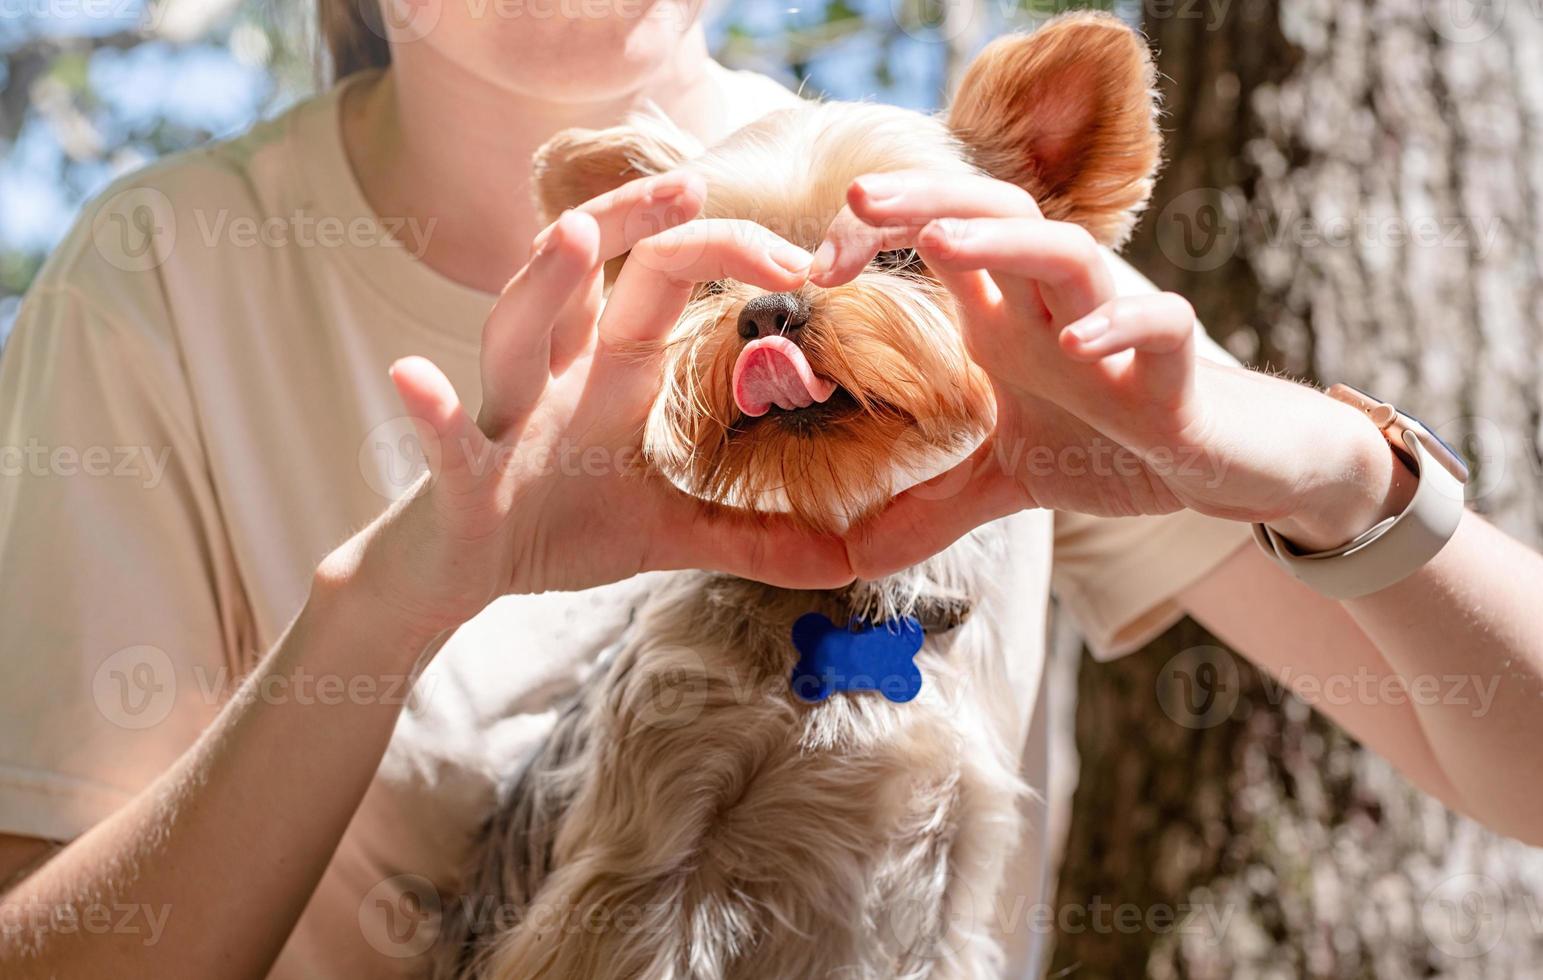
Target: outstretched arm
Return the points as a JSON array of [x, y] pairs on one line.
[[1441, 673]]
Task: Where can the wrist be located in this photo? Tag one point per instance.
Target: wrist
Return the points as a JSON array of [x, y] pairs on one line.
[[1361, 485], [354, 602]]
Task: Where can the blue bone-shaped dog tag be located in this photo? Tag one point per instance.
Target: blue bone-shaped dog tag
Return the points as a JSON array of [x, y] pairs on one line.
[[856, 658]]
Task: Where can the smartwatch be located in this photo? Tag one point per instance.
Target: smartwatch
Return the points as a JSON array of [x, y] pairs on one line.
[[1401, 545]]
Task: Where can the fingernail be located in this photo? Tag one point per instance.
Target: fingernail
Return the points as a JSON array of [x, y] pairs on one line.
[[664, 187], [538, 245], [791, 257], [1090, 329], [824, 259], [879, 187], [943, 235]]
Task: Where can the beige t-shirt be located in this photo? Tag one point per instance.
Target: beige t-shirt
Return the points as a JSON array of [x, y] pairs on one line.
[[194, 409]]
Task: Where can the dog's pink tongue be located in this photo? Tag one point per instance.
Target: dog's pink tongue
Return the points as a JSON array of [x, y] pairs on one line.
[[773, 371]]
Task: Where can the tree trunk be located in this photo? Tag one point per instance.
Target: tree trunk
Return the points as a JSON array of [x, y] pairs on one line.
[[1354, 192]]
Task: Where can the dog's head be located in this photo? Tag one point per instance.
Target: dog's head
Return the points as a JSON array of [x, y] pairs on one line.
[[826, 402]]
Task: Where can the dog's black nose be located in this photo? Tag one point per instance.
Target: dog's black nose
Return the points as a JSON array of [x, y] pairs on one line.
[[773, 313]]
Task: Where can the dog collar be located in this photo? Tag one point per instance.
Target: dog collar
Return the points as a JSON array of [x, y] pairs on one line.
[[833, 659]]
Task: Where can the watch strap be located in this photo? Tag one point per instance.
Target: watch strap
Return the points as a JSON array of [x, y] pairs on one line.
[[1392, 550]]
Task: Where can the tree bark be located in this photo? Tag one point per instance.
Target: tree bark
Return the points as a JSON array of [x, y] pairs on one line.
[[1354, 192]]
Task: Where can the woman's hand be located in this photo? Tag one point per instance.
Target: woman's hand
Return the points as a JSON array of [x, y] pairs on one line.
[[1103, 406], [544, 490]]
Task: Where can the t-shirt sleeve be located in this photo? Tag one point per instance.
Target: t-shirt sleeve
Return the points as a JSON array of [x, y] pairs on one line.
[[120, 620], [1118, 577]]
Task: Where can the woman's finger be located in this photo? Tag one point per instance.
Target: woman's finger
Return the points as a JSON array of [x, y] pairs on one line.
[[623, 217], [1158, 330], [644, 207], [887, 211], [850, 243], [929, 517], [450, 440], [1032, 259], [574, 329], [918, 196], [517, 337], [656, 282], [689, 533]]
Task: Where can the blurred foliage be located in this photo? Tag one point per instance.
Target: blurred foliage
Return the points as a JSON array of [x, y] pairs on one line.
[[90, 89]]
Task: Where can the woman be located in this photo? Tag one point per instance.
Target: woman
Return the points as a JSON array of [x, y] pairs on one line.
[[205, 741]]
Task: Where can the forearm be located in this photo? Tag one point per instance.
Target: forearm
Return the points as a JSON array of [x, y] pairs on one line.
[[1439, 674], [1457, 632], [261, 799], [1468, 615]]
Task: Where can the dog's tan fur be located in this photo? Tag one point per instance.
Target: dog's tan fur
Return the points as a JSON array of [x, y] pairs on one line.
[[688, 817]]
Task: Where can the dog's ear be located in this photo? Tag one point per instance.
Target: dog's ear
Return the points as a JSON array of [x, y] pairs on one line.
[[1067, 112], [578, 164]]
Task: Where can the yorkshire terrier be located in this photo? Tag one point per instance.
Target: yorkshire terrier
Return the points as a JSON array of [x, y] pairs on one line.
[[750, 785]]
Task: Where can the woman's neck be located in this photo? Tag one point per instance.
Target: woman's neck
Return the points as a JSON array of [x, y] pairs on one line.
[[430, 141]]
